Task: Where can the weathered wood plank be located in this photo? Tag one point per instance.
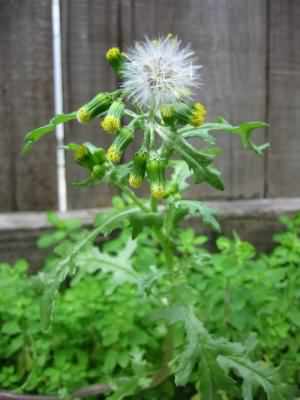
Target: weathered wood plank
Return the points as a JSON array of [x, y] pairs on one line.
[[253, 220], [26, 101], [229, 36], [284, 104], [258, 208], [88, 29]]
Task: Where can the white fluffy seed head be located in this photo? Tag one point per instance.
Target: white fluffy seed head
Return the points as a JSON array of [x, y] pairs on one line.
[[160, 71]]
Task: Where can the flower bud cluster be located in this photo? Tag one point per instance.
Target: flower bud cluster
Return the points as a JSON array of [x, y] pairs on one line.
[[90, 157], [149, 162]]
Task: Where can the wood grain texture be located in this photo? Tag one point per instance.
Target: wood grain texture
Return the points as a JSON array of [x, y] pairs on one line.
[[229, 37], [284, 104], [89, 28], [26, 102], [253, 220]]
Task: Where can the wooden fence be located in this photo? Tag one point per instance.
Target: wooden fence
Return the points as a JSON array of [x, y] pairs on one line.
[[251, 56]]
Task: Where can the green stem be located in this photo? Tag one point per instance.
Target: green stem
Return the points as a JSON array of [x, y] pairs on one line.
[[131, 113], [153, 204], [149, 136], [168, 253], [162, 238], [132, 196], [152, 137], [167, 147], [164, 241]]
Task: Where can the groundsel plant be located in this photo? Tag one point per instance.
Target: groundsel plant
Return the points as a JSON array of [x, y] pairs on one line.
[[156, 101]]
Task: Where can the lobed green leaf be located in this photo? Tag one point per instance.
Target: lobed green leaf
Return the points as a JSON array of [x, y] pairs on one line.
[[36, 134]]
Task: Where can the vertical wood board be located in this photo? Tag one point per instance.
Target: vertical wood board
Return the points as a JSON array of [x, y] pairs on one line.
[[229, 38], [89, 28], [284, 104], [26, 102]]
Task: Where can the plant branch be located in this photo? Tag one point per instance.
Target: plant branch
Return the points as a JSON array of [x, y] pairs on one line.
[[132, 196]]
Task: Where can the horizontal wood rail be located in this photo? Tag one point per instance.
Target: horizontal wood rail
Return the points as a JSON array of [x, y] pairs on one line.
[[253, 220], [258, 208]]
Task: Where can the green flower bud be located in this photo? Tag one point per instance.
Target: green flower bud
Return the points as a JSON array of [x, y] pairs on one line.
[[156, 167], [112, 122], [167, 112], [99, 155], [138, 170], [82, 156], [81, 153], [193, 114], [94, 107], [119, 145], [98, 172], [135, 180], [158, 191], [115, 57], [83, 115], [87, 155], [172, 189]]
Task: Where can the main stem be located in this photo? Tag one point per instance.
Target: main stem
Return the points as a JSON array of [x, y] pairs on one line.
[[162, 238], [165, 371]]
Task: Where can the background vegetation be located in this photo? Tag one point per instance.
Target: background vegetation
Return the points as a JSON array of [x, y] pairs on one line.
[[100, 332]]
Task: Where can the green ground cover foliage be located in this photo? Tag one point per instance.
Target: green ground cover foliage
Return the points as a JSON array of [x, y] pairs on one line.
[[105, 328]]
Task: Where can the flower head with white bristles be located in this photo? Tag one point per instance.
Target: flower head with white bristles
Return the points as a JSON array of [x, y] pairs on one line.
[[158, 72]]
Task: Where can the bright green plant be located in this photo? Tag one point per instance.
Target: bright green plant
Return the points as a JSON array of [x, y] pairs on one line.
[[99, 328], [154, 102], [101, 332], [255, 293]]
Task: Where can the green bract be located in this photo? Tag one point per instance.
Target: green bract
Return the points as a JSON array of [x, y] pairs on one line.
[[190, 355], [156, 170], [94, 107], [124, 137], [138, 169], [112, 121]]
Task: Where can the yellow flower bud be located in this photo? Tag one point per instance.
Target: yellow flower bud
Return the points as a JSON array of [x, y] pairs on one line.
[[116, 59], [80, 153], [113, 154], [157, 191], [83, 115], [111, 124], [100, 103], [119, 145], [135, 181], [112, 121], [113, 54], [198, 115]]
